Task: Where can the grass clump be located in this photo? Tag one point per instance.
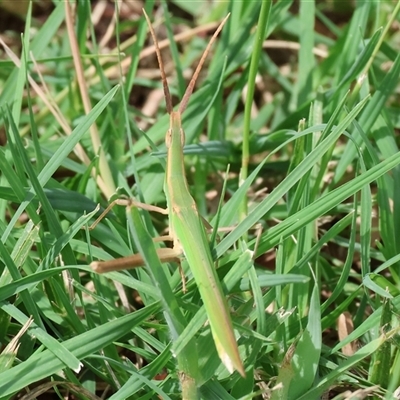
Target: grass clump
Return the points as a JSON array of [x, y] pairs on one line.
[[300, 101]]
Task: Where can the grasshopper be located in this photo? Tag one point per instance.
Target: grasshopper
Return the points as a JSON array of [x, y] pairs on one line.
[[186, 227]]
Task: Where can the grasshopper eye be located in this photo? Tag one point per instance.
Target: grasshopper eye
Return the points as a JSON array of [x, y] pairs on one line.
[[168, 138], [182, 132]]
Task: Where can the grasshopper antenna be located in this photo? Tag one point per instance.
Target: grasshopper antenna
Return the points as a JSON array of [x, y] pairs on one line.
[[190, 87], [167, 94]]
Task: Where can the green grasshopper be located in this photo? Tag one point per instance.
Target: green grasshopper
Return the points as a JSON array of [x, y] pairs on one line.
[[186, 227]]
